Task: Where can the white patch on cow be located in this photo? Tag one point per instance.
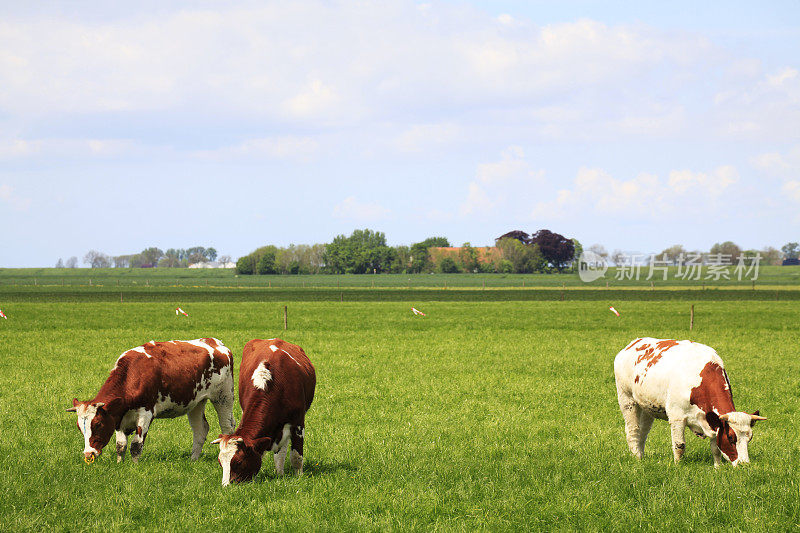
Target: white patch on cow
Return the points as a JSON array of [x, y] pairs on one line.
[[261, 375], [290, 357], [226, 452], [86, 414], [277, 446], [221, 347], [273, 347], [165, 407], [201, 344]]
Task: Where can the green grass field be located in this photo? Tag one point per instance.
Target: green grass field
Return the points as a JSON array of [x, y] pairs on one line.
[[111, 278], [494, 415]]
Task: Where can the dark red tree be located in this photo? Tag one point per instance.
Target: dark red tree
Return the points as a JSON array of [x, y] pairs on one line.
[[556, 249], [521, 236]]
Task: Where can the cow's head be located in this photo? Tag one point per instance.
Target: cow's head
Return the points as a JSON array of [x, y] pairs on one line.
[[734, 431], [96, 424], [240, 458]]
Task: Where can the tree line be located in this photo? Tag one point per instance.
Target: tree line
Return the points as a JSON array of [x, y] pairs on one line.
[[147, 258], [728, 251], [366, 252]]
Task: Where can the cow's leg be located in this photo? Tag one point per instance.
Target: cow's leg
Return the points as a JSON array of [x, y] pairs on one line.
[[678, 430], [645, 423], [122, 444], [142, 426], [298, 432], [280, 459], [224, 408], [197, 419], [630, 412]]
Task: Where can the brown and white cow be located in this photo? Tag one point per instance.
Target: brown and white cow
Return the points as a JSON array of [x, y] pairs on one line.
[[159, 380], [685, 383], [276, 388]]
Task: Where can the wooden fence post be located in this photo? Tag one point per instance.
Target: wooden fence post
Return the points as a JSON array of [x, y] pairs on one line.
[[691, 318], [285, 317]]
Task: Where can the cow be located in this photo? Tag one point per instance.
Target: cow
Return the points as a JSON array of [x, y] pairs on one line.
[[276, 388], [158, 380], [685, 383]]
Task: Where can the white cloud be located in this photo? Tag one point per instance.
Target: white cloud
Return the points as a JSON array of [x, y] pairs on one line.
[[786, 164], [792, 189], [20, 148], [350, 208], [595, 191], [285, 147], [765, 109], [9, 197], [11, 148], [498, 182], [307, 62], [421, 137]]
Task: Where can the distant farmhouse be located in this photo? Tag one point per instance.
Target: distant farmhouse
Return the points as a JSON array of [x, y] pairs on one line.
[[485, 254], [213, 264]]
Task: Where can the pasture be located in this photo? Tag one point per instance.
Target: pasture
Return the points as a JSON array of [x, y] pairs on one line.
[[491, 415]]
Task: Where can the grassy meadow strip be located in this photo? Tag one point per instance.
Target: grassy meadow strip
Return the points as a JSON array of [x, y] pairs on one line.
[[482, 415], [768, 276], [182, 295]]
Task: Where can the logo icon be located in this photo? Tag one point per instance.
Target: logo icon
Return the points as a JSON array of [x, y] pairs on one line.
[[591, 266]]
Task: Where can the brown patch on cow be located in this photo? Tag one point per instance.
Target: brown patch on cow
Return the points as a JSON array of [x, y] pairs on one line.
[[713, 393], [632, 344], [138, 431], [636, 379], [653, 354], [713, 397], [666, 344]]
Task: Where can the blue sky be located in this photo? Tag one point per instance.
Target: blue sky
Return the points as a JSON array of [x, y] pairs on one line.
[[635, 125]]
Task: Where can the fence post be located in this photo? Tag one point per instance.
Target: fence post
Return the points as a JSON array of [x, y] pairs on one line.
[[691, 318], [285, 317]]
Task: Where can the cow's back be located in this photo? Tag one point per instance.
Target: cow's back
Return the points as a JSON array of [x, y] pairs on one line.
[[659, 373], [177, 372], [289, 378]]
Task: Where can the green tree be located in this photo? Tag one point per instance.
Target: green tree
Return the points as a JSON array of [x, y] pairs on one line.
[[728, 249], [265, 264], [468, 257], [246, 265], [364, 251], [673, 253], [211, 254], [524, 258], [770, 256], [448, 266], [790, 250], [420, 258], [578, 250], [150, 256]]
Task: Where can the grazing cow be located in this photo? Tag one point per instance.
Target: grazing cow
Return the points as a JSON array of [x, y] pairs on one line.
[[276, 388], [158, 380], [685, 383]]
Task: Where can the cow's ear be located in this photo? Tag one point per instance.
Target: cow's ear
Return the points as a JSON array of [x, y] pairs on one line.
[[713, 420], [262, 445], [75, 404]]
